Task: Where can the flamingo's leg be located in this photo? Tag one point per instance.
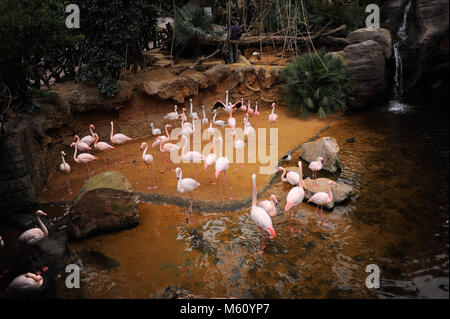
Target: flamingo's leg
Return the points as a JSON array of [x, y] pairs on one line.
[[290, 218], [315, 214], [298, 230], [212, 176], [324, 223], [153, 177], [190, 208], [262, 242]]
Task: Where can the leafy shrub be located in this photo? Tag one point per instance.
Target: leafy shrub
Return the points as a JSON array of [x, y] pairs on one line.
[[191, 24], [312, 88]]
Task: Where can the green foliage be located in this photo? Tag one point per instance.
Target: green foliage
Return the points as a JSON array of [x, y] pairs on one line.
[[312, 88], [116, 32], [191, 24]]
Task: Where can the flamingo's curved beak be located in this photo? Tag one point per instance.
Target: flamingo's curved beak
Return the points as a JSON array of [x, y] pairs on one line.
[[271, 232]]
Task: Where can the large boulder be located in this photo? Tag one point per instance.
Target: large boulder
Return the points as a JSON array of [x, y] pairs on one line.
[[367, 64], [217, 74], [325, 147], [380, 35], [341, 192], [177, 89], [105, 203]]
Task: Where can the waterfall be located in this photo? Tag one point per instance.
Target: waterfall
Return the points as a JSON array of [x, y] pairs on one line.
[[401, 33]]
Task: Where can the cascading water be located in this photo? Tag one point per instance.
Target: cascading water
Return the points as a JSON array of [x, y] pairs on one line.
[[401, 33]]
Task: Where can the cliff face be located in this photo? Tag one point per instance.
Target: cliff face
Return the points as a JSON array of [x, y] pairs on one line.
[[425, 52]]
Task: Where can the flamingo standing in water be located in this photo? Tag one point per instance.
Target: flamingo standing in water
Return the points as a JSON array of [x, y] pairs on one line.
[[249, 109], [65, 168], [186, 185], [232, 120], [270, 205], [237, 144], [83, 158], [172, 116], [183, 115], [261, 218], [316, 166], [33, 236], [211, 159], [248, 129], [204, 120], [119, 139], [243, 108], [155, 131], [222, 164], [290, 177], [81, 145], [256, 113], [89, 139], [167, 148], [163, 138], [273, 117], [103, 147], [191, 156], [295, 196], [148, 160], [192, 114], [218, 122], [322, 198], [26, 284]]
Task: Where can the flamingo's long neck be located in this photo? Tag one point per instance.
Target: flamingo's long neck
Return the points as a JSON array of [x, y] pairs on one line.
[[92, 133], [96, 139], [75, 153], [42, 226], [145, 150], [283, 176], [203, 109], [254, 191], [301, 174], [167, 132], [273, 109], [112, 131], [64, 164], [226, 99], [191, 106], [330, 194], [214, 118], [161, 145], [185, 145], [256, 107]]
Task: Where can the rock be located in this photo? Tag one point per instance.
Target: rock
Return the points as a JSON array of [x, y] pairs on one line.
[[177, 89], [100, 260], [275, 75], [367, 64], [325, 147], [217, 74], [380, 35], [105, 203], [52, 247], [340, 194]]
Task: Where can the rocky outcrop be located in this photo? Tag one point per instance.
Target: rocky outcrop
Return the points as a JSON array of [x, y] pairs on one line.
[[105, 203], [177, 89], [341, 193], [379, 35], [325, 147]]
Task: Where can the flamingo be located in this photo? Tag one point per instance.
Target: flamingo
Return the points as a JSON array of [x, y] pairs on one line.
[[163, 138], [261, 218], [220, 103], [249, 109], [204, 120], [270, 205], [81, 145], [119, 139], [103, 147], [248, 129], [295, 197], [239, 105], [83, 158], [192, 115], [148, 160], [183, 115], [65, 168], [155, 131], [193, 156], [211, 159], [211, 130], [33, 236], [222, 164], [287, 157], [322, 198], [172, 116], [237, 144], [26, 284], [316, 166], [232, 120], [167, 148], [186, 130], [89, 139], [273, 117], [186, 185], [290, 177], [218, 122], [243, 108], [256, 113]]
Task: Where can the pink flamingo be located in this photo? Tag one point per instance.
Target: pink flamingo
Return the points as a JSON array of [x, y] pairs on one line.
[[270, 205], [222, 165], [26, 284], [65, 168], [322, 198], [232, 120], [237, 144], [33, 236], [249, 109], [186, 130], [172, 116], [83, 158], [316, 166], [191, 156], [119, 139], [220, 103], [81, 145], [261, 218], [211, 159], [183, 115], [256, 113], [168, 148], [103, 147], [273, 117], [162, 139], [290, 177], [295, 197], [89, 139], [243, 108], [186, 185], [248, 129], [148, 160]]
